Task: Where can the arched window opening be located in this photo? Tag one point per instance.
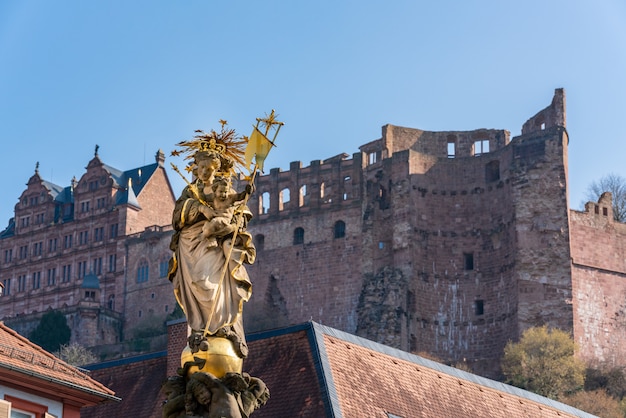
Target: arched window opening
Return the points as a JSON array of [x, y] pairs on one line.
[[283, 198], [340, 229], [303, 198], [264, 203], [298, 236]]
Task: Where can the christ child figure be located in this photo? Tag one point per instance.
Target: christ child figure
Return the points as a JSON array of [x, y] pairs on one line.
[[220, 210]]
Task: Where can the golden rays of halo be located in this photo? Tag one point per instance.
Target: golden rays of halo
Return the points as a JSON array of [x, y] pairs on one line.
[[226, 142]]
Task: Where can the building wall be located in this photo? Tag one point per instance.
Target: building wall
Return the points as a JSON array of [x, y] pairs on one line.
[[450, 243], [599, 283], [35, 256]]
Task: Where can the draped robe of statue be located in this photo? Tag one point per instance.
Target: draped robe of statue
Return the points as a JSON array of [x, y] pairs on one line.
[[203, 290]]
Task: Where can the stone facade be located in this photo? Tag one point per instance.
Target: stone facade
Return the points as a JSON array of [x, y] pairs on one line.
[[446, 243], [74, 249]]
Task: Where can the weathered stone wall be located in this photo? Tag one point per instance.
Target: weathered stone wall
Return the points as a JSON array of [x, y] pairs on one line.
[[599, 283]]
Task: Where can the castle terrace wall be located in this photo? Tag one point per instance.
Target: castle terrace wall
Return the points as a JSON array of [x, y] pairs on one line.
[[599, 283]]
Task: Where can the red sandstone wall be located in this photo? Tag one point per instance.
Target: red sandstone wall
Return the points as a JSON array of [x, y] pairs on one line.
[[599, 283]]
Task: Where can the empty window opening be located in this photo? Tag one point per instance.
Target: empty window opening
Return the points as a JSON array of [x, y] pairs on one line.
[[543, 126], [481, 147], [597, 209], [264, 203], [479, 307], [283, 198], [451, 149], [468, 261], [492, 171], [259, 241], [381, 245], [340, 229], [373, 157], [298, 236], [302, 198], [605, 211], [346, 187]]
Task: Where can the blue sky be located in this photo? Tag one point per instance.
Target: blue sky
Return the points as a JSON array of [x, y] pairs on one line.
[[138, 76]]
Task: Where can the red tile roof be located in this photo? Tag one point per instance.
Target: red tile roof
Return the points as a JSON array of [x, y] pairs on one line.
[[26, 365], [355, 377], [137, 380], [316, 371]]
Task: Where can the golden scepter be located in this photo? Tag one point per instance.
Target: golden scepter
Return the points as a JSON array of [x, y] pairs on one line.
[[259, 146]]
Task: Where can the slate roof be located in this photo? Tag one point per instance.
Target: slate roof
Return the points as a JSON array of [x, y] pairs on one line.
[[138, 178], [29, 366], [316, 371]]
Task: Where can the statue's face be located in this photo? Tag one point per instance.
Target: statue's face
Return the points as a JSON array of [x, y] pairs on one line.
[[207, 167], [221, 192]]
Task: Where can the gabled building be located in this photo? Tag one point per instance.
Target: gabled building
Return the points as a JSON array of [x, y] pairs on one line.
[[67, 248], [35, 384]]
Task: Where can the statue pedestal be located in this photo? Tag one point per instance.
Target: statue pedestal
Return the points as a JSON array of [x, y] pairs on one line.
[[219, 358]]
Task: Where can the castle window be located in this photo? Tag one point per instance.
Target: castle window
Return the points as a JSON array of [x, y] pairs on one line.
[[90, 295], [101, 203], [605, 211], [142, 272], [451, 149], [111, 302], [298, 236], [112, 263], [7, 287], [340, 229], [264, 203], [39, 218], [25, 221], [21, 282], [37, 280], [23, 252], [66, 273], [113, 233], [93, 185], [481, 147], [98, 234], [67, 241], [52, 245], [8, 255], [84, 206], [37, 248], [259, 241], [346, 187], [83, 237], [492, 171], [381, 245], [468, 261], [479, 307], [302, 198], [82, 269], [97, 266], [597, 209], [373, 157], [284, 198], [52, 276], [164, 267]]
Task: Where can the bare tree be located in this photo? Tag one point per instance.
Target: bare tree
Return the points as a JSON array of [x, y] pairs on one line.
[[615, 184]]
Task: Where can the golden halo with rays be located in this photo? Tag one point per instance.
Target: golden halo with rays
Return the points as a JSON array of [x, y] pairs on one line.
[[226, 143]]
